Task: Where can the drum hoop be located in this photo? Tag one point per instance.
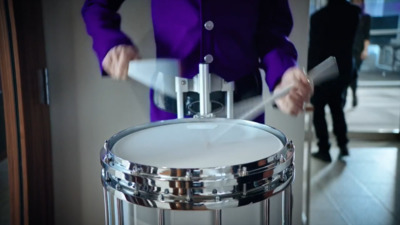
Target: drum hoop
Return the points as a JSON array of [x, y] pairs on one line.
[[235, 184], [109, 144]]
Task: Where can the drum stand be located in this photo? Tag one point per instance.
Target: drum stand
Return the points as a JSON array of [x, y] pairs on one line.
[[204, 84]]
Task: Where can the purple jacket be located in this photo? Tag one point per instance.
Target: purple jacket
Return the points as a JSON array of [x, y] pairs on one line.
[[235, 37]]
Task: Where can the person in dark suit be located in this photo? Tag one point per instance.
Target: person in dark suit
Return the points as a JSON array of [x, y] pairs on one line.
[[360, 48], [332, 32]]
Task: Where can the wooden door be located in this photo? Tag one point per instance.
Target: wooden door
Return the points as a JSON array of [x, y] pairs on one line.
[[27, 120]]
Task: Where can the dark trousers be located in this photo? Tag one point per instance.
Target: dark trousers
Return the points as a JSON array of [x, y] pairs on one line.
[[333, 97], [356, 67]]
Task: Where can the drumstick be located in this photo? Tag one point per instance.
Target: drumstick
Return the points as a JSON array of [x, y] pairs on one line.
[[322, 72], [256, 109], [158, 74], [259, 105]]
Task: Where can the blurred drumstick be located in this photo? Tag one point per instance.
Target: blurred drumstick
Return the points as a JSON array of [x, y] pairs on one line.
[[251, 108], [158, 74], [322, 72]]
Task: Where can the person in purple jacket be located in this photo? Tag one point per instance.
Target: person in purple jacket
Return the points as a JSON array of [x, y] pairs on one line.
[[234, 37]]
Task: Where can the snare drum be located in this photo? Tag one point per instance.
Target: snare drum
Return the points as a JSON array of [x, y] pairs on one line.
[[196, 165]]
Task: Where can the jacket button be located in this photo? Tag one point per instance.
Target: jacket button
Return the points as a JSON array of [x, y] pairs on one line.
[[208, 58], [209, 25]]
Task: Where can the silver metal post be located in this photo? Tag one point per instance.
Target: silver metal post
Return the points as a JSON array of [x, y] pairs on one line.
[[179, 97], [307, 167], [106, 206], [286, 206], [161, 217], [204, 89], [265, 212], [229, 101], [120, 219], [218, 217]]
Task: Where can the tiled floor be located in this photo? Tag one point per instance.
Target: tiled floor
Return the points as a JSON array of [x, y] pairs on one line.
[[362, 189], [378, 109]]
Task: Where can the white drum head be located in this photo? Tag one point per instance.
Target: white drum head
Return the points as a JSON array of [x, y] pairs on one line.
[[197, 145]]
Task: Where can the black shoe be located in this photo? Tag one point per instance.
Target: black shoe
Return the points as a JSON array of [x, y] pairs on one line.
[[343, 152], [326, 157]]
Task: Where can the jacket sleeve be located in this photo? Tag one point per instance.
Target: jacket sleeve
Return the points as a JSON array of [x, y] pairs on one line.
[[103, 24], [276, 52]]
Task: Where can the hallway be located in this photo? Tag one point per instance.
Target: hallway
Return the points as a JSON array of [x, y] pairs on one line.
[[363, 188]]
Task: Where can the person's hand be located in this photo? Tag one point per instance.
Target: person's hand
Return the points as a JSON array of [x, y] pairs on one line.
[[301, 91], [116, 62], [364, 55]]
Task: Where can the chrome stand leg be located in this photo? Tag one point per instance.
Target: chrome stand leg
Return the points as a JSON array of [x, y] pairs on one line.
[[287, 206], [180, 86], [218, 217], [204, 89], [307, 167], [229, 101], [106, 206], [265, 212], [161, 217], [120, 210]]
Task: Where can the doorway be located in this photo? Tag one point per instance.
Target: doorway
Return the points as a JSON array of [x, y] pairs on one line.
[[376, 113]]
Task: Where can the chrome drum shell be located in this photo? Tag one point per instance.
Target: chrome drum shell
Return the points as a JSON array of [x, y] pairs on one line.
[[195, 188]]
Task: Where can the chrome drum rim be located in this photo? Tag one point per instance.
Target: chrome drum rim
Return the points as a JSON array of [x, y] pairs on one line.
[[225, 186]]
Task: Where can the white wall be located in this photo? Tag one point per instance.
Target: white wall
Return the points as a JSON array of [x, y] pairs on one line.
[[87, 109]]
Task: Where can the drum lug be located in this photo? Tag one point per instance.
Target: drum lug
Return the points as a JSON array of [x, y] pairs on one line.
[[290, 145], [118, 185], [166, 191], [277, 159], [217, 198], [188, 175], [136, 170], [283, 175], [107, 177], [189, 196], [108, 158], [242, 171], [244, 189], [282, 159]]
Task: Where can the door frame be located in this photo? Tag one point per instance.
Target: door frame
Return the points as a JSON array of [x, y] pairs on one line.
[[10, 116], [27, 120]]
